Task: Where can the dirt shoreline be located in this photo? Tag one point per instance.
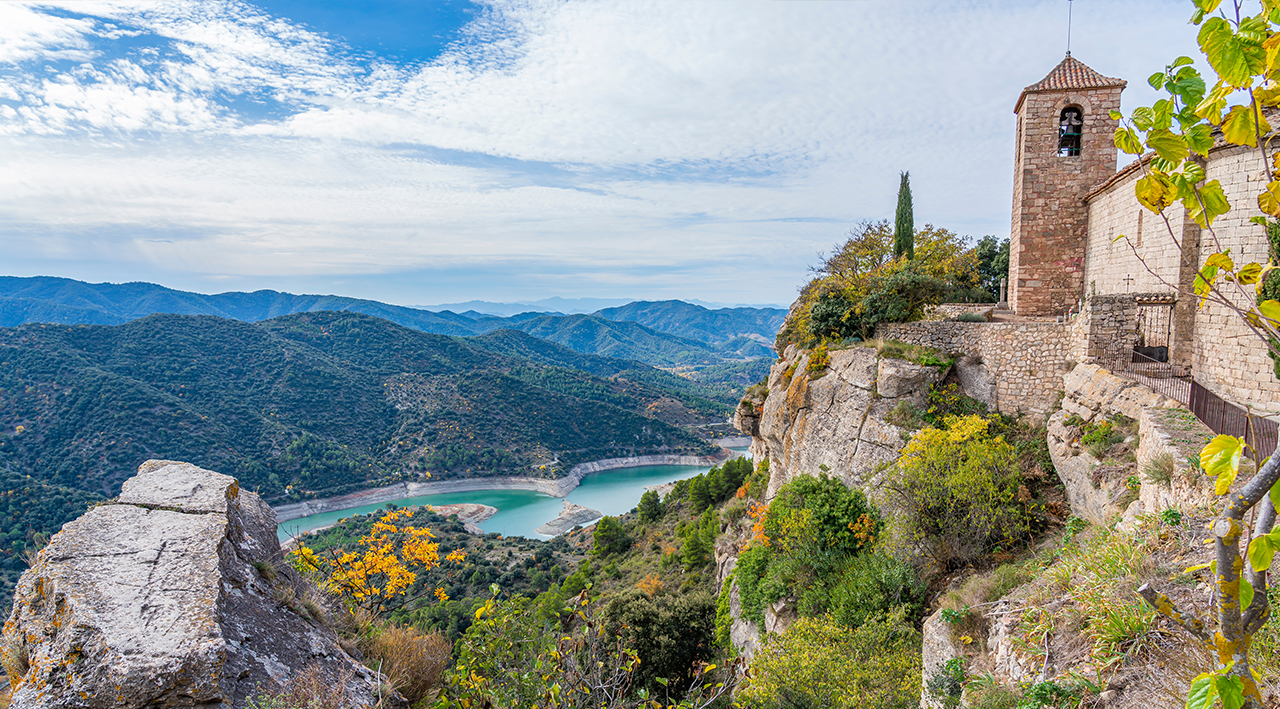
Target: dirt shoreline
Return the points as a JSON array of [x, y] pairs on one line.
[[559, 487]]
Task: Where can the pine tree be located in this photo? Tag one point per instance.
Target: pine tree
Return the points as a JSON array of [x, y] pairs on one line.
[[904, 223]]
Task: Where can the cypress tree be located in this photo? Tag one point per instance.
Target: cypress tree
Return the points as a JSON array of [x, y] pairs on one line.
[[904, 222]]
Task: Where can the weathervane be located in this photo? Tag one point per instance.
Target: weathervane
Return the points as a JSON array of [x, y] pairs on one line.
[[1069, 27]]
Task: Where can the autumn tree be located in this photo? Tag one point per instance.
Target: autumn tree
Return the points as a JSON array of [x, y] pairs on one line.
[[379, 575], [1241, 42]]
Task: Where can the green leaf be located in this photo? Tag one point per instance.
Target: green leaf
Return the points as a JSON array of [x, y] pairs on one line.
[[1181, 61], [1269, 199], [1211, 205], [1199, 138], [1246, 594], [1230, 691], [1250, 273], [1144, 118], [1168, 145], [1156, 80], [1203, 692], [1262, 551], [1117, 237], [1207, 5], [1221, 459], [1127, 140], [1115, 115], [1270, 310], [1213, 104], [1243, 125], [1236, 58]]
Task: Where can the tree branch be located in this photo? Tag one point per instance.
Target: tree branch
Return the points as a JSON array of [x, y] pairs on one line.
[[1165, 607]]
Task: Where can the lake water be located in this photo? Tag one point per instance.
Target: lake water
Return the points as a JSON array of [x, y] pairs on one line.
[[612, 492]]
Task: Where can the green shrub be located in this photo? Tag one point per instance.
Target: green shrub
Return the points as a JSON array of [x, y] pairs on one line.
[[670, 633], [874, 584], [819, 662], [650, 507], [956, 490], [946, 684], [971, 317]]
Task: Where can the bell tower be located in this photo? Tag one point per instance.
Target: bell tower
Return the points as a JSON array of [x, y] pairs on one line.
[[1064, 149]]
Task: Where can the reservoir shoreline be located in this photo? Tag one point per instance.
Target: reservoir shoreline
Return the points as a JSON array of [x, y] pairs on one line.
[[559, 487]]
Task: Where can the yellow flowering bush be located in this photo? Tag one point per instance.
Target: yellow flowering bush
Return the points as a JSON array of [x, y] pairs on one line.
[[385, 567], [818, 662]]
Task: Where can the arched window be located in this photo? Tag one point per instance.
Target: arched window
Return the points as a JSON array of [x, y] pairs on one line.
[[1070, 132]]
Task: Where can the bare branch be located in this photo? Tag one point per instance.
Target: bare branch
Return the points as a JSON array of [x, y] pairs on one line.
[[1165, 607]]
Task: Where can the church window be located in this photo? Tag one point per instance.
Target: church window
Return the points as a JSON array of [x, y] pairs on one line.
[[1070, 132]]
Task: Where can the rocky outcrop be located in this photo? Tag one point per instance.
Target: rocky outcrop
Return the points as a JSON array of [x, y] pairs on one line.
[[172, 596], [838, 422], [570, 516]]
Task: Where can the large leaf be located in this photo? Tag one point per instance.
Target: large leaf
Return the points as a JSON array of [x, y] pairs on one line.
[[1211, 204], [1270, 310], [1221, 459], [1269, 199], [1167, 144], [1262, 551], [1243, 125], [1203, 692], [1214, 103], [1236, 58], [1221, 260], [1127, 141], [1199, 138], [1153, 192], [1250, 273], [1230, 691], [1246, 594]]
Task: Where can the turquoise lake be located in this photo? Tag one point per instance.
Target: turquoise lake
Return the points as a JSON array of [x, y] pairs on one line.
[[612, 492]]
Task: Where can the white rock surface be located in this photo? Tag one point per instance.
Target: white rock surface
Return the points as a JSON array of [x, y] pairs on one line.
[[157, 600]]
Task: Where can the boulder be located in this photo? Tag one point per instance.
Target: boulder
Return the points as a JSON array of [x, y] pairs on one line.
[[175, 595], [898, 377]]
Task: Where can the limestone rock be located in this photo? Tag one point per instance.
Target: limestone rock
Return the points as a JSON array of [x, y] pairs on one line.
[[938, 649], [780, 615], [1091, 496], [161, 600], [898, 377], [976, 380]]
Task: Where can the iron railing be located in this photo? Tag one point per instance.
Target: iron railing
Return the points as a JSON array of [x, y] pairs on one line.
[[1162, 377], [1225, 418]]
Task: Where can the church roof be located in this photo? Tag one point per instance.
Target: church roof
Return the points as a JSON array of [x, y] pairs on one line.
[[1071, 73]]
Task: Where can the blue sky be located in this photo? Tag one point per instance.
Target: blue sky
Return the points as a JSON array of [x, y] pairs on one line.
[[421, 152]]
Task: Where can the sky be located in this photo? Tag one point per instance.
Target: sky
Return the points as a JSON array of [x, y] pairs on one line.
[[427, 151]]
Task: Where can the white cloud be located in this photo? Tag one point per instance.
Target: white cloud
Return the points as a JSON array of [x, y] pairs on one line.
[[616, 138]]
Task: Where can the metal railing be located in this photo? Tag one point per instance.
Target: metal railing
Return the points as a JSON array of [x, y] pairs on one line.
[[1223, 417], [1148, 369]]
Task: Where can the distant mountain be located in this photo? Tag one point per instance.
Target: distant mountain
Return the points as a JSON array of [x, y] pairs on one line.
[[698, 323], [556, 305], [667, 333], [64, 301]]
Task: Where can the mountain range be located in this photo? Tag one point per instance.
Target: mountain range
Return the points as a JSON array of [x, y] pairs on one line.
[[664, 333]]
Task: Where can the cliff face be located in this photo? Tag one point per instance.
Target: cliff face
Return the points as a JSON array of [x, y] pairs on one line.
[[840, 421], [173, 596]]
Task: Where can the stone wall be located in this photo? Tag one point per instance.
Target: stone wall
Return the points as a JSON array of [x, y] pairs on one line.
[[1229, 359], [1050, 221], [947, 311], [1027, 360]]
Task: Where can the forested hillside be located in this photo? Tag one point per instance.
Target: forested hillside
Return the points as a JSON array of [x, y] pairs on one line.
[[305, 404]]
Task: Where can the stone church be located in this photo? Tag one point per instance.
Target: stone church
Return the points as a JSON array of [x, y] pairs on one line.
[[1070, 202]]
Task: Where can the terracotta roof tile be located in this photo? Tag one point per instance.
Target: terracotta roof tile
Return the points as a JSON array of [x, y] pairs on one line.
[[1070, 74]]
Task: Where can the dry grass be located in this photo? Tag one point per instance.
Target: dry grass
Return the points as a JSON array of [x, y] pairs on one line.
[[309, 689], [412, 661]]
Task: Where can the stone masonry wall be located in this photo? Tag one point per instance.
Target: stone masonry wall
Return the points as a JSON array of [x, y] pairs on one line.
[[1165, 261], [1229, 359], [1027, 360], [1050, 220]]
